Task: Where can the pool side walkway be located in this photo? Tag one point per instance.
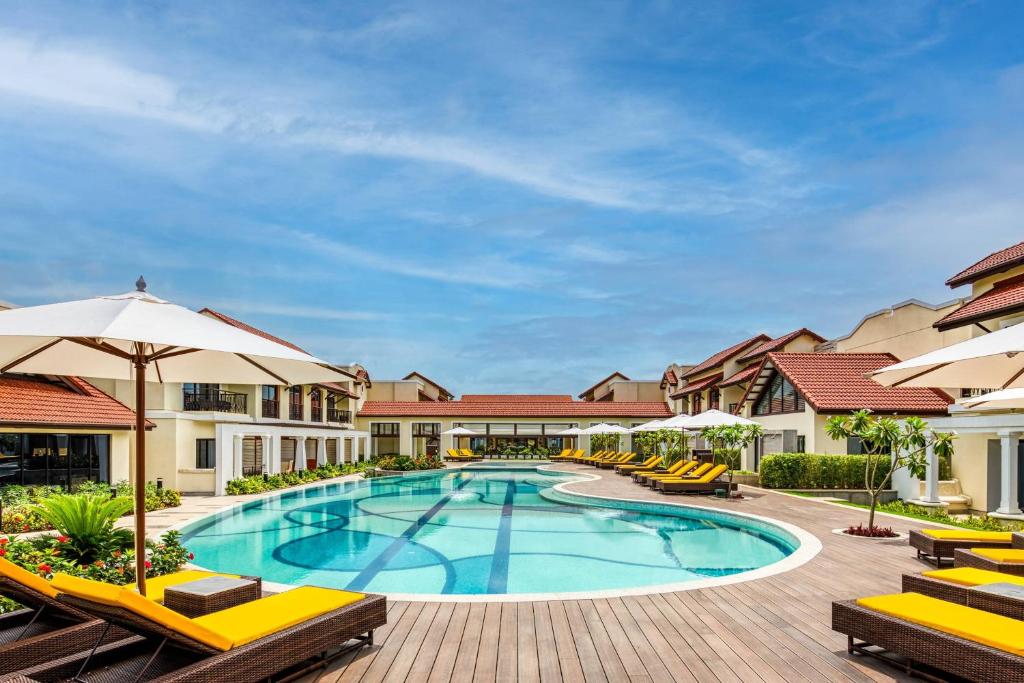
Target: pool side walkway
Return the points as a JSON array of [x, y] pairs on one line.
[[771, 629]]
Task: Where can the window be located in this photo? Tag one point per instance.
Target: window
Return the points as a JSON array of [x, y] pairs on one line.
[[252, 455], [426, 438], [713, 398], [271, 401], [384, 438], [316, 413], [697, 403], [778, 396], [54, 459], [295, 403], [206, 454], [801, 443]]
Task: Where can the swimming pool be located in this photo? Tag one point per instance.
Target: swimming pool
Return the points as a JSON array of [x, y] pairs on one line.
[[478, 531]]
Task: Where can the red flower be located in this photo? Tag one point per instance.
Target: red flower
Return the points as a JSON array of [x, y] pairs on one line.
[[44, 568], [3, 551], [62, 539], [191, 556], [149, 565], [4, 540], [25, 528], [100, 563]]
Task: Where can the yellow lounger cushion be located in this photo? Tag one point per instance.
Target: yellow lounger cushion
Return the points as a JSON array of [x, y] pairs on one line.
[[706, 479], [155, 585], [969, 576], [253, 620], [116, 596], [994, 630], [969, 535], [26, 578], [1007, 555]]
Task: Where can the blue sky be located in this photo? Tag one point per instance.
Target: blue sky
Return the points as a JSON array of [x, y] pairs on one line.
[[510, 196]]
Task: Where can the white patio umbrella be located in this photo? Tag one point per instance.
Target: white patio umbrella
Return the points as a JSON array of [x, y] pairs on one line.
[[994, 360], [652, 426], [605, 429], [676, 422], [571, 431], [715, 418], [122, 336], [1004, 398], [460, 431]]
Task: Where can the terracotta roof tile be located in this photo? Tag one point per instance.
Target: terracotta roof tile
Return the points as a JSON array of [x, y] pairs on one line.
[[740, 377], [1007, 296], [515, 398], [250, 329], [836, 383], [699, 385], [724, 355], [611, 376], [514, 408], [778, 343], [669, 379], [28, 400], [993, 263]]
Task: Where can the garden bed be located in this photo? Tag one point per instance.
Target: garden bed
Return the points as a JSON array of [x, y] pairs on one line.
[[20, 503], [260, 483]]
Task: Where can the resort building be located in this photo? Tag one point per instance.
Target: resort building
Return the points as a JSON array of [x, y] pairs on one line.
[[500, 422], [905, 330], [988, 451], [699, 387], [208, 434], [61, 431]]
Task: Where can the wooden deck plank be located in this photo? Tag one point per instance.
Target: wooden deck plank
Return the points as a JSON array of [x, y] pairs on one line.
[[568, 656], [444, 660], [402, 663], [584, 643], [526, 640], [465, 661], [508, 662], [487, 653], [431, 645]]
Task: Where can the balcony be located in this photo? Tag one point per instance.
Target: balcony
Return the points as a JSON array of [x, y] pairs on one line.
[[271, 408], [217, 401], [335, 415]]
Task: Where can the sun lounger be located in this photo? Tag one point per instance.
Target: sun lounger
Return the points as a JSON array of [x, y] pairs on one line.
[[957, 585], [646, 464], [679, 468], [621, 460], [936, 545], [707, 483], [689, 475], [1005, 560], [963, 641], [288, 633], [564, 455], [595, 456]]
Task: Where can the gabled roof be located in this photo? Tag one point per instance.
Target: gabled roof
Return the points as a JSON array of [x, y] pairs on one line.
[[836, 383], [779, 342], [512, 409], [250, 329], [740, 377], [337, 388], [514, 398], [724, 355], [68, 402], [609, 377], [699, 385], [993, 263], [1005, 297], [669, 379], [429, 381]]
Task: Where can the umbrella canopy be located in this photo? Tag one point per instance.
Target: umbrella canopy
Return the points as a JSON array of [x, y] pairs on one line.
[[605, 429], [716, 418], [571, 431], [459, 431], [652, 426], [1005, 399], [993, 360], [120, 337], [678, 422]]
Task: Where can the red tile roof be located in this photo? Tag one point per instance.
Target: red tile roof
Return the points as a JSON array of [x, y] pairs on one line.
[[836, 383], [741, 377], [724, 355], [515, 398], [512, 408], [779, 342], [250, 329], [699, 385], [1007, 296], [669, 379], [426, 379], [993, 263], [26, 400], [611, 376]]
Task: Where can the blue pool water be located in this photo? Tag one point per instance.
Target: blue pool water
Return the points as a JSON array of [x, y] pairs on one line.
[[475, 532]]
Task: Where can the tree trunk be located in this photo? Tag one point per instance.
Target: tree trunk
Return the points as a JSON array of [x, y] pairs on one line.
[[871, 512]]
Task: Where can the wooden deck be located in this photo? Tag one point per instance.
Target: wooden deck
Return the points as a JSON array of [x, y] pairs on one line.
[[772, 629]]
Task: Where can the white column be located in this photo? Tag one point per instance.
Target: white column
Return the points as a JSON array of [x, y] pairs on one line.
[[321, 450], [1008, 486], [931, 482], [274, 461], [300, 453], [266, 445], [224, 461], [340, 451], [236, 456]]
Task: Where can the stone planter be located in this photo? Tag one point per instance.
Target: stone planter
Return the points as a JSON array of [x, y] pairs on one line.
[[858, 496], [747, 479]]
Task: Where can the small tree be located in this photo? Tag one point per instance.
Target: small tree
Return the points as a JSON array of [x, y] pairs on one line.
[[731, 440], [604, 442], [889, 445]]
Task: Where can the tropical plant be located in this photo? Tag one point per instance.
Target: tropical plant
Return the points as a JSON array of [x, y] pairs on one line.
[[87, 521], [731, 439], [904, 443], [604, 442]]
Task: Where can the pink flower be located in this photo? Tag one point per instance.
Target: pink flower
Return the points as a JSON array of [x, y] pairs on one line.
[[62, 539], [44, 568], [191, 556]]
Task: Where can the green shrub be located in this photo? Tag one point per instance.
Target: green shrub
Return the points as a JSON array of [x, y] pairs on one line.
[[813, 471], [87, 520], [258, 484]]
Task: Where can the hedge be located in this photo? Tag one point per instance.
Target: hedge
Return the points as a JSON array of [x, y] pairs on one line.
[[812, 471]]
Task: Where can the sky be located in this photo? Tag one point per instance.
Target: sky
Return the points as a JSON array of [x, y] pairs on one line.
[[510, 196]]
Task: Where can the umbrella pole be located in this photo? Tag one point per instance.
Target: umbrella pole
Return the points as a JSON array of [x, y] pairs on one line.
[[140, 476]]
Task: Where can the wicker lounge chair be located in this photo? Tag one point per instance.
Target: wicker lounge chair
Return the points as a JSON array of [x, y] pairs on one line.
[[621, 460], [679, 468], [942, 636], [646, 464], [695, 474], [957, 585], [935, 545], [286, 634], [1004, 560]]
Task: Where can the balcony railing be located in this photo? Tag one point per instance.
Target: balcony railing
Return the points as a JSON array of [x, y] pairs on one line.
[[316, 414], [294, 411], [271, 407], [219, 401], [335, 415]]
